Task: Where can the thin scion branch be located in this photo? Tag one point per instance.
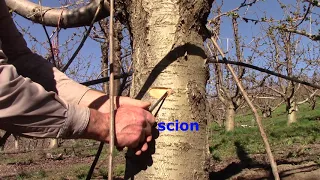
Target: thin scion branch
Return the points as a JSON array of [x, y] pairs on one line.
[[290, 78], [105, 79], [254, 110], [49, 41], [111, 91], [84, 38]]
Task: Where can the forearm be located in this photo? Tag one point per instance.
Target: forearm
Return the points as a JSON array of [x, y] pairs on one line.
[[28, 109], [34, 66]]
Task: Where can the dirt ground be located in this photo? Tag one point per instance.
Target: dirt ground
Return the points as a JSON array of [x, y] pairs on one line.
[[73, 160], [297, 163]]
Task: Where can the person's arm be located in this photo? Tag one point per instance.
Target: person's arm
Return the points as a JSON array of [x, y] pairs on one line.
[[27, 108], [31, 65]]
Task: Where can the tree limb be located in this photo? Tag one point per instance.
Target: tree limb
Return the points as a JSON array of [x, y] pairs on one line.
[[104, 79], [50, 16], [98, 10], [313, 2], [257, 117], [290, 78], [301, 102], [313, 37]]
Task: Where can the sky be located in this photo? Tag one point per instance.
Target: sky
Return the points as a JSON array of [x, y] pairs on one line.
[[91, 50]]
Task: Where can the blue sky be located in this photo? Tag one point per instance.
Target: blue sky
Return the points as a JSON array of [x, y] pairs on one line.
[[91, 50]]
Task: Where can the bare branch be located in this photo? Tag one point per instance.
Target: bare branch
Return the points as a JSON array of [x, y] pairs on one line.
[[84, 37], [311, 95], [244, 4], [275, 90], [50, 44], [313, 2], [64, 18], [257, 117], [313, 37], [105, 79], [111, 91], [290, 78]]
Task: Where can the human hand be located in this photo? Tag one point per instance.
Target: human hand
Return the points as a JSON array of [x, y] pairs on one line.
[[132, 127], [100, 101], [123, 101]]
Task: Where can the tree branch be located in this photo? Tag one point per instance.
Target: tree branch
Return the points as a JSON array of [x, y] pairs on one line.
[[294, 79], [105, 79], [98, 10], [313, 37], [257, 117], [301, 102], [313, 2], [65, 18]]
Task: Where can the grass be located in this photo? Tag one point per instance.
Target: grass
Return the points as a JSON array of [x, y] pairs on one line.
[[73, 171], [227, 144], [41, 174], [223, 145]]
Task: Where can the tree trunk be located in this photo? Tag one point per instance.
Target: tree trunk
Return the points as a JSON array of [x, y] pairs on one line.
[[266, 112], [292, 112], [117, 55], [104, 65], [53, 143], [168, 52], [230, 114], [16, 142], [313, 103]]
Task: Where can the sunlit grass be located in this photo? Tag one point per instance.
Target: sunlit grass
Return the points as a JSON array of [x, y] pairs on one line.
[[305, 131]]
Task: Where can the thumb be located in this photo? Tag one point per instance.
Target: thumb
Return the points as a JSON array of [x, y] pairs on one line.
[[122, 100]]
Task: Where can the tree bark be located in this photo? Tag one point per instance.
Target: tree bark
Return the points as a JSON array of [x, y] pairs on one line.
[[168, 52], [104, 65], [16, 142], [230, 114], [292, 112], [117, 54], [53, 143]]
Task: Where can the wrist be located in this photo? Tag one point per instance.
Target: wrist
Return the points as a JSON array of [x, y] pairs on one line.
[[98, 126]]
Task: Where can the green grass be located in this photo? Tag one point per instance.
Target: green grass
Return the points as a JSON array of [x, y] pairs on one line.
[[41, 174], [307, 131]]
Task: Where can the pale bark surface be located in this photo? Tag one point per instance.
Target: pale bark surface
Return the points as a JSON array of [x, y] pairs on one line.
[[169, 52], [292, 113], [62, 17], [230, 115]]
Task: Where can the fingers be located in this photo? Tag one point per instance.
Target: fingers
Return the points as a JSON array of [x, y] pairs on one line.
[[149, 138], [122, 100], [149, 117], [142, 149], [134, 125]]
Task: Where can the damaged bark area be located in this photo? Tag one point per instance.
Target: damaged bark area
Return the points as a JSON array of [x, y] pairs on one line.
[[168, 52]]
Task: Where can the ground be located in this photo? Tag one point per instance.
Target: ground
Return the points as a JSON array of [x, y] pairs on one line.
[[236, 155]]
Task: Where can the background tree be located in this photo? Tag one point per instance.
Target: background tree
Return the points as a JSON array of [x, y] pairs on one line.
[[167, 39]]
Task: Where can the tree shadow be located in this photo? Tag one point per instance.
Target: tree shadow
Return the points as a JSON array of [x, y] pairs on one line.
[[302, 169], [247, 162], [171, 57], [235, 168]]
